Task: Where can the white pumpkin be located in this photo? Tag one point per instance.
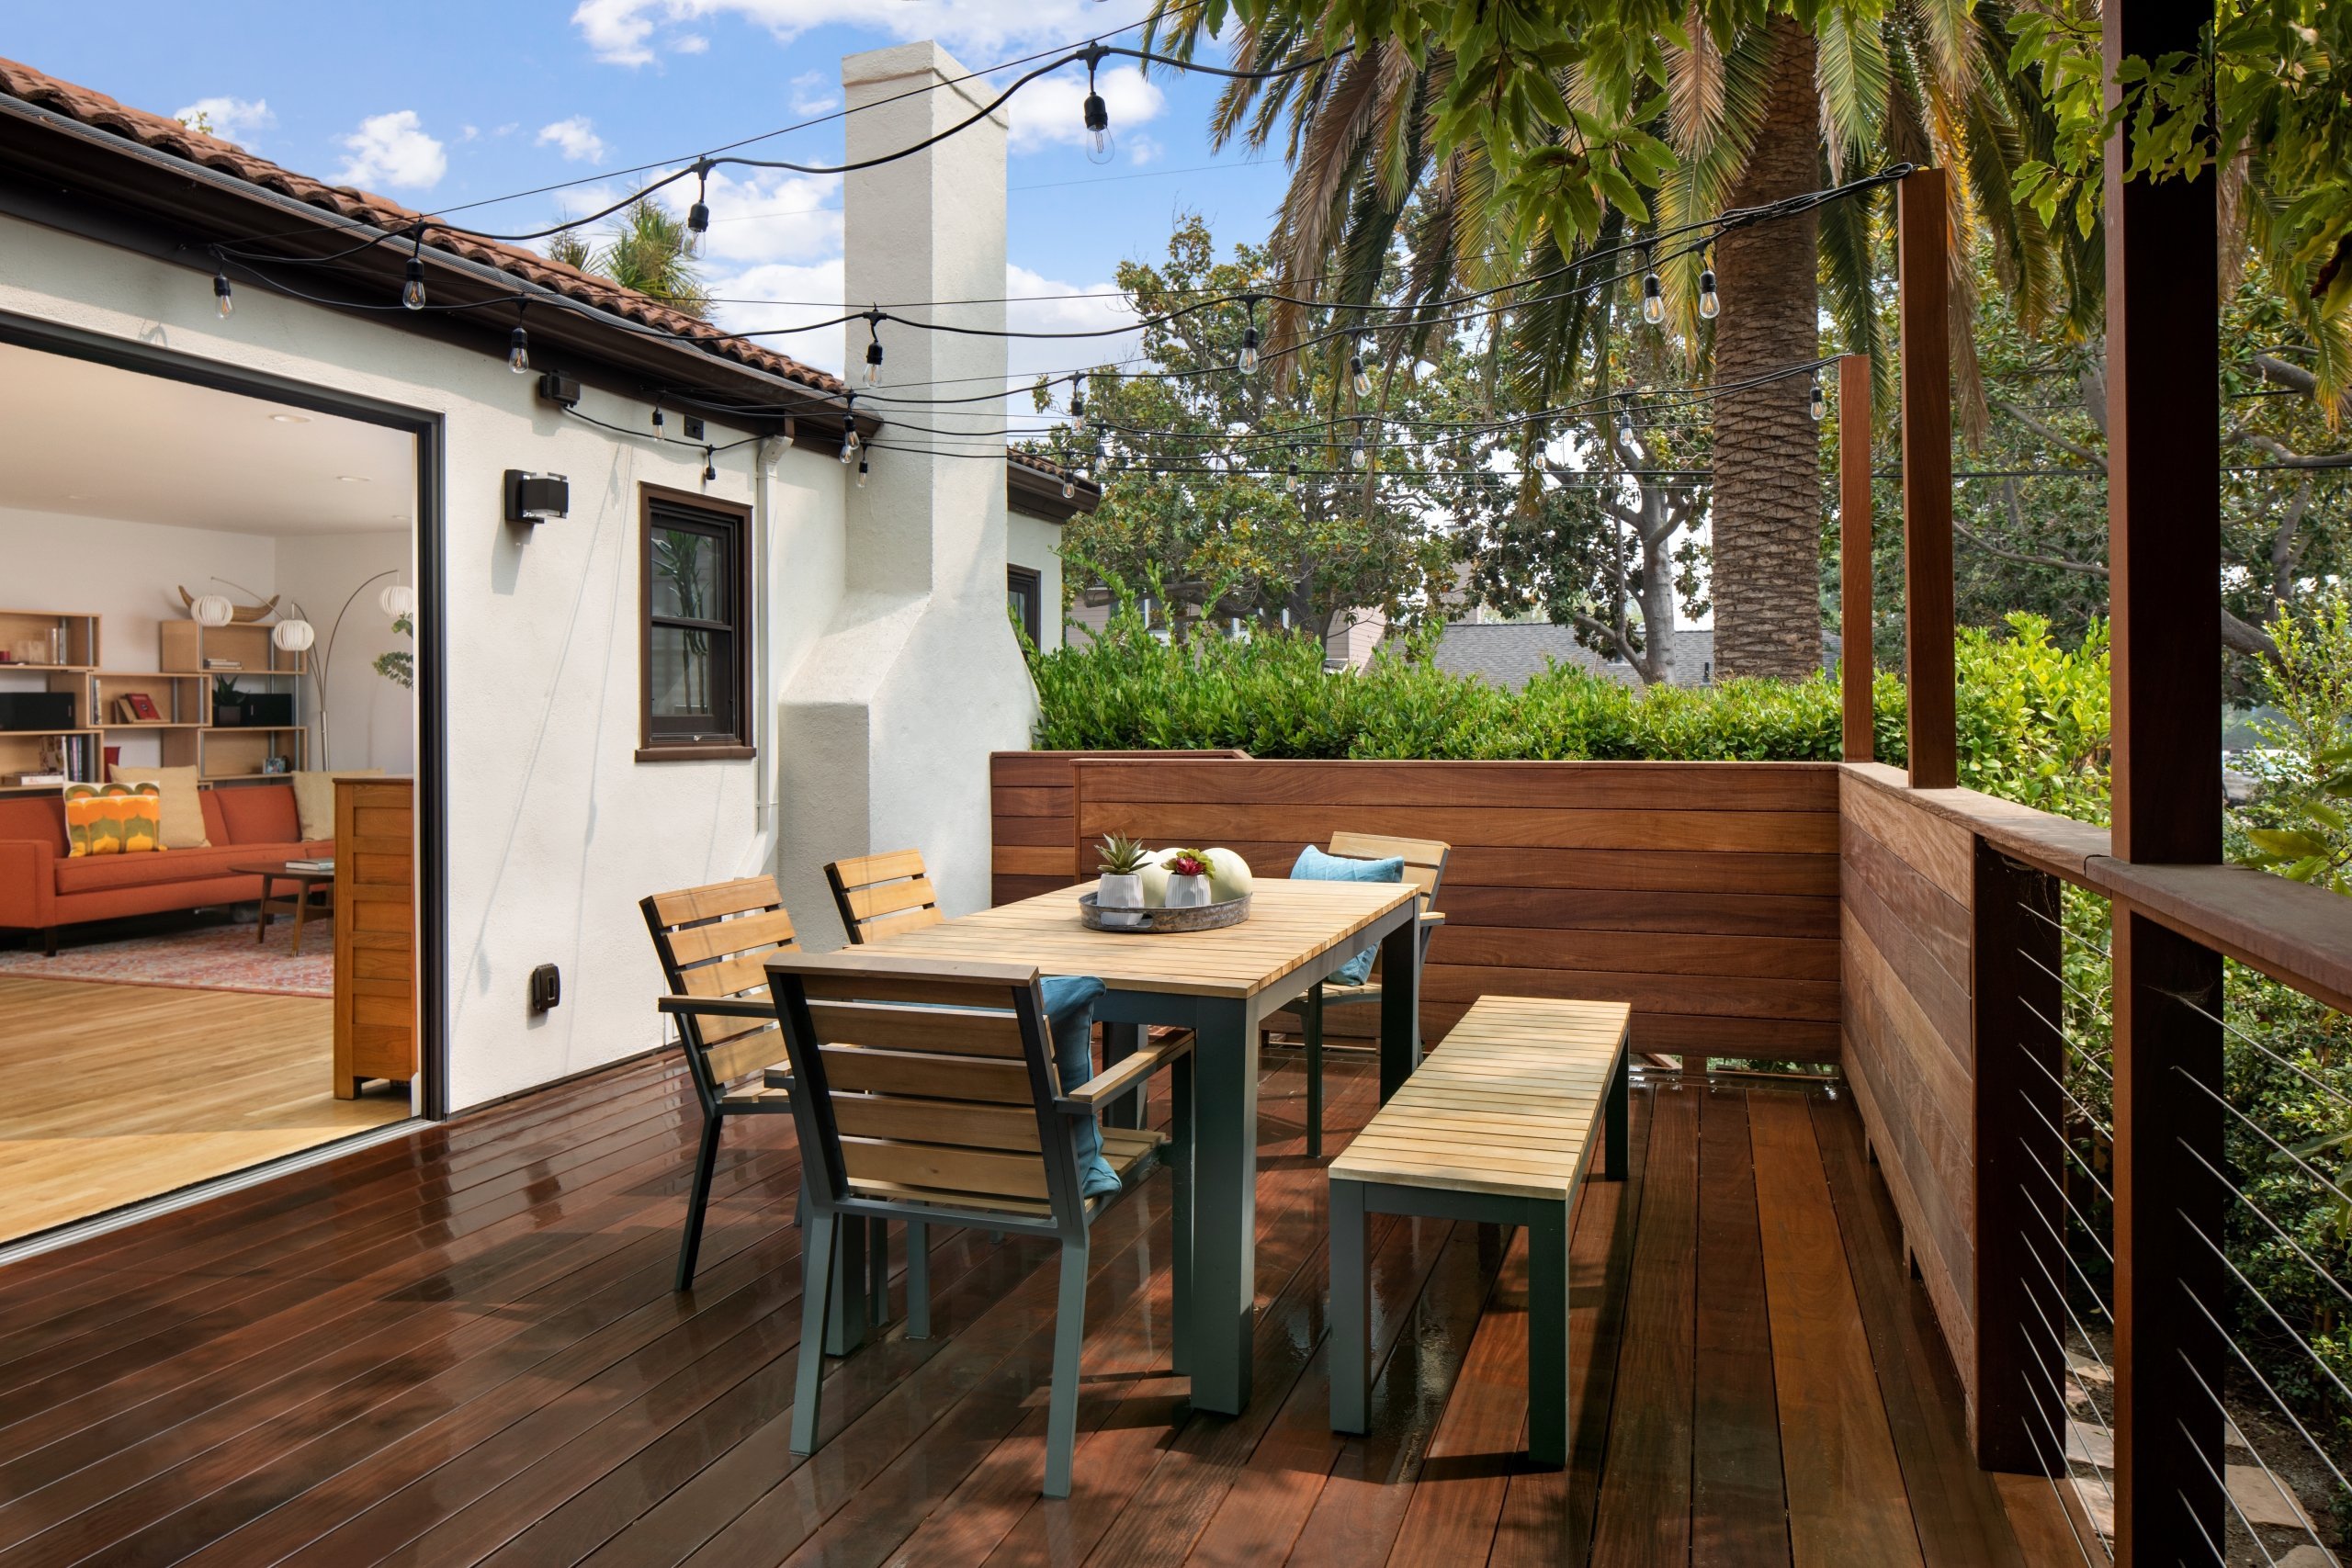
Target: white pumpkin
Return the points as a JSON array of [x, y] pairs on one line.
[[1229, 877], [1155, 879]]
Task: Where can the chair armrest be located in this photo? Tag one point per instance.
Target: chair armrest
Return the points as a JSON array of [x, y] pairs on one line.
[[1114, 1081], [719, 1007], [1431, 918]]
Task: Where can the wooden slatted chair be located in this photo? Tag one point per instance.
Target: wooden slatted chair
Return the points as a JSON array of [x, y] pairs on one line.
[[925, 1090], [880, 895], [1425, 868]]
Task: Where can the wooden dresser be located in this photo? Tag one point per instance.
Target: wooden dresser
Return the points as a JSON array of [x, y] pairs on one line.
[[375, 933]]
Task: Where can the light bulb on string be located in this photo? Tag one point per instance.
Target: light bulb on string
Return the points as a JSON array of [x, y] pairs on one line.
[[1292, 482], [1069, 490], [412, 284], [1358, 456], [1653, 299], [1626, 419], [849, 427], [1711, 304], [863, 470], [1357, 379], [1098, 114], [698, 215], [518, 346], [223, 299], [1078, 403], [874, 349], [1817, 403], [1248, 361], [657, 417], [709, 468]]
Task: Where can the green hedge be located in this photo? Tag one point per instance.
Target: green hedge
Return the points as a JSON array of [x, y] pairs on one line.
[[2032, 714]]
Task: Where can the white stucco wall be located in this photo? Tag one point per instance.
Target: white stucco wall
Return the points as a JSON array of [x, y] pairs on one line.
[[1035, 543], [555, 831]]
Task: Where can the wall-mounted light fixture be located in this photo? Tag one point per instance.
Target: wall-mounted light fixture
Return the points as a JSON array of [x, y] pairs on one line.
[[537, 497]]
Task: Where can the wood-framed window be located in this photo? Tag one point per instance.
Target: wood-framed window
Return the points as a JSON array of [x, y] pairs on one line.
[[694, 626], [1024, 590]]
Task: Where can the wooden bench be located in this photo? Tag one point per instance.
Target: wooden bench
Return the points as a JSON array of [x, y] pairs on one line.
[[1495, 1125]]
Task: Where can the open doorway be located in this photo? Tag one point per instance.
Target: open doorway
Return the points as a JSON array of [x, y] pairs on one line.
[[207, 731]]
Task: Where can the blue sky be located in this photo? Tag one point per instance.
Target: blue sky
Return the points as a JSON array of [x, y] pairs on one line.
[[439, 104]]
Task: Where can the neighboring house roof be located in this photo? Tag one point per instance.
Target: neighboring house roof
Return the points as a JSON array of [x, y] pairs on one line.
[[1509, 652], [166, 135], [1034, 488]]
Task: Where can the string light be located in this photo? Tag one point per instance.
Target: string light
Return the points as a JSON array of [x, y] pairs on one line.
[[1710, 305], [1653, 297], [1357, 379], [709, 466], [1626, 419], [1078, 403], [874, 349], [657, 416], [849, 427], [1358, 456], [1068, 489], [863, 469], [1817, 404], [1248, 362], [412, 288], [223, 300], [1291, 483], [518, 345], [1099, 146], [698, 215]]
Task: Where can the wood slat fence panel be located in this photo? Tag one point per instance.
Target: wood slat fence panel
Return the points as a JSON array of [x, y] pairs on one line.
[[1035, 818], [1703, 894]]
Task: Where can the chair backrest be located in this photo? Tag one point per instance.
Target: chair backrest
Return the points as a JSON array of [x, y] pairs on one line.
[[923, 1081], [714, 942], [1424, 863], [879, 895]]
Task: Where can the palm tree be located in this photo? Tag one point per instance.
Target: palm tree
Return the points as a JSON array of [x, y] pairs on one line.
[[644, 250], [1746, 112]]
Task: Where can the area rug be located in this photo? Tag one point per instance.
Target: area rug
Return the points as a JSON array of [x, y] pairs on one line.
[[215, 958]]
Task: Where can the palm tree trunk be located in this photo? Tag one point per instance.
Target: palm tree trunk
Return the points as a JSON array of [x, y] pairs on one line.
[[1765, 579]]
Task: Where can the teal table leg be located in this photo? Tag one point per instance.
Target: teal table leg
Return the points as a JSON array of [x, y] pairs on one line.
[[1348, 1358], [1225, 1214], [1400, 1005], [1547, 1336]]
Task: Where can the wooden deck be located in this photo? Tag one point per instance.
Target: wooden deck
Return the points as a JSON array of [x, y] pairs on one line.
[[463, 1347]]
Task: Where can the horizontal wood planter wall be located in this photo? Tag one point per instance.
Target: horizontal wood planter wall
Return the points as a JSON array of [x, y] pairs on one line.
[[1704, 893]]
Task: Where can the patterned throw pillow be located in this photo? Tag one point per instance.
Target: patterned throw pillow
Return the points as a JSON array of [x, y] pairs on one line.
[[113, 819]]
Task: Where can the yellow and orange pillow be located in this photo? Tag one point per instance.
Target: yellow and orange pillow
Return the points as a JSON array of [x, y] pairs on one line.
[[113, 818]]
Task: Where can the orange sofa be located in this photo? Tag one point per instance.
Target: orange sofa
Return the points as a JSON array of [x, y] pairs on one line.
[[43, 888]]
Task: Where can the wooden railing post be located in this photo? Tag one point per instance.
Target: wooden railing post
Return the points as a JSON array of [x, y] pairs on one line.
[[2015, 961], [1923, 289], [1854, 614], [2164, 545]]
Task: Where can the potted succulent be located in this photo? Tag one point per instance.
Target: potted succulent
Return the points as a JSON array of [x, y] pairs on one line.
[[228, 703], [1122, 884], [1188, 879]]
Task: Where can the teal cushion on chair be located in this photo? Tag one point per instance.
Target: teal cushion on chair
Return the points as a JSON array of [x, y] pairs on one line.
[[1069, 1014], [1314, 865]]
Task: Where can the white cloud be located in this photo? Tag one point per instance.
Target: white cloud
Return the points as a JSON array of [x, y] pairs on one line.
[[231, 119], [812, 92], [621, 31], [1051, 111], [576, 136], [1142, 150], [689, 43], [393, 150]]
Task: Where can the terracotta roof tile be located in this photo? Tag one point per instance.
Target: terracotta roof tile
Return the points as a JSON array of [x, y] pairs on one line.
[[166, 135]]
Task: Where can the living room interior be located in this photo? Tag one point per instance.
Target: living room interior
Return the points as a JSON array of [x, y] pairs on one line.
[[206, 622]]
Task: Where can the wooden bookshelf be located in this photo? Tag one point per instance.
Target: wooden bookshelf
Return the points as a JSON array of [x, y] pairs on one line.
[[227, 752], [69, 652]]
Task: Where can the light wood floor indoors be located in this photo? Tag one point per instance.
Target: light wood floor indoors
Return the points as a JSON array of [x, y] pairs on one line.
[[111, 1094], [462, 1346]]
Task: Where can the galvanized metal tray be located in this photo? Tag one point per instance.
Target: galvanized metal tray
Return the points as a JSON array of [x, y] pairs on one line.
[[1160, 921]]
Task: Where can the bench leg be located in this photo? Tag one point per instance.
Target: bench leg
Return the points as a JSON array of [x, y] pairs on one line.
[[1350, 1342], [1314, 1028], [1613, 1153], [1547, 1340], [1070, 1341]]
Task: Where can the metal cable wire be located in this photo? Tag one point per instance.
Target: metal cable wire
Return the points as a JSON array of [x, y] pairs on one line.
[[2083, 1057], [2276, 1316], [2252, 1534], [2247, 1444], [2259, 1213], [2061, 1394], [2060, 1291], [2059, 1188], [2067, 1144], [2324, 1088], [2256, 1129], [2275, 1398], [2065, 931], [2088, 1114], [2053, 1473], [2064, 983]]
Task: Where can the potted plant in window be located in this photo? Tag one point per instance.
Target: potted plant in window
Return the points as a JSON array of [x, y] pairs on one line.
[[1119, 895], [228, 703], [1188, 879]]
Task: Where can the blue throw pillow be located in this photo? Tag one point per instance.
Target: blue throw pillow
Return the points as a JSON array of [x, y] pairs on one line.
[[1314, 865], [1069, 1014]]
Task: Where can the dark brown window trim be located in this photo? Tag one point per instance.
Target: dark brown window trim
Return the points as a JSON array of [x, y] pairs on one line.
[[650, 749], [1030, 582]]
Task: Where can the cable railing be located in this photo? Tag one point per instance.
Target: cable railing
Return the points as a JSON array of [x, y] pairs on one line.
[[2237, 1268]]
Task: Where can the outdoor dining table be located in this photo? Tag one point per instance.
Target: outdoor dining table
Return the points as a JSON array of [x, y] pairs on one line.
[[1221, 984]]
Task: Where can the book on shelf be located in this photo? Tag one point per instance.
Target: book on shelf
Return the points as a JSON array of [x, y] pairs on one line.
[[211, 663], [137, 707], [25, 779]]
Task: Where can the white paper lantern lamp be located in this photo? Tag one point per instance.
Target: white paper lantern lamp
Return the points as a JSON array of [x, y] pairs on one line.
[[211, 610], [398, 599], [293, 636]]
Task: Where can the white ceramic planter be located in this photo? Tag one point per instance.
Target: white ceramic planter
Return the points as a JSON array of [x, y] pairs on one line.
[[1116, 893], [1187, 892]]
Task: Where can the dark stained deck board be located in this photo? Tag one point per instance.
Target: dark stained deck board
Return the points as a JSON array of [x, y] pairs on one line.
[[461, 1348]]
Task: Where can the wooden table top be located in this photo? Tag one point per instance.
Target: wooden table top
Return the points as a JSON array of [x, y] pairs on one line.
[[1290, 923], [1505, 1106]]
